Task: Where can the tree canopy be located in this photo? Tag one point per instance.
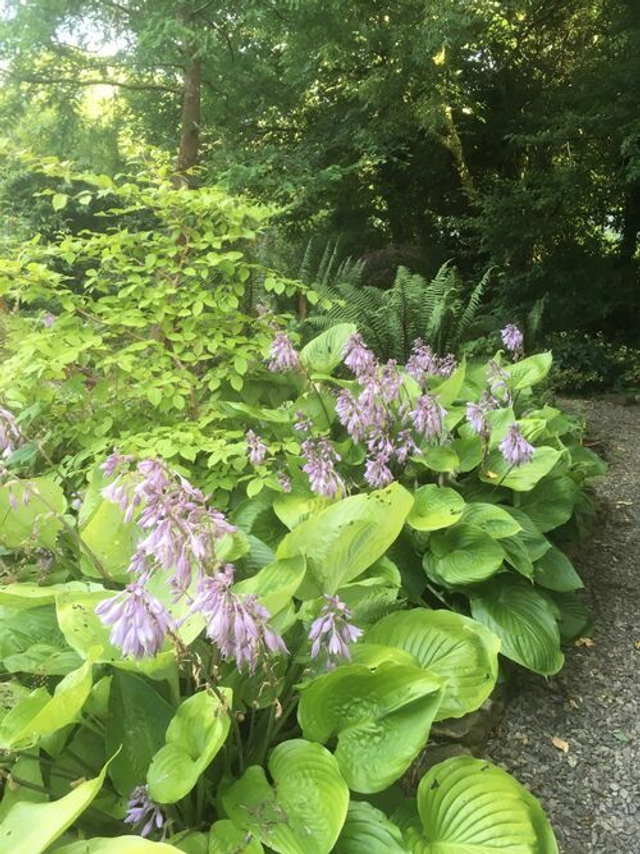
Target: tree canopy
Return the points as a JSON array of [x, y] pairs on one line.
[[503, 133]]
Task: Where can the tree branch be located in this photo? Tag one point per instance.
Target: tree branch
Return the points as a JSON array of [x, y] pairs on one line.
[[102, 81]]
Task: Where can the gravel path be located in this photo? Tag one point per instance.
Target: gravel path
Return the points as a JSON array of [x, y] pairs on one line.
[[592, 792]]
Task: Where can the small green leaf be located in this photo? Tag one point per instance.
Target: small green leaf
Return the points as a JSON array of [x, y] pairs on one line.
[[325, 352], [194, 737], [59, 201], [435, 507], [225, 837]]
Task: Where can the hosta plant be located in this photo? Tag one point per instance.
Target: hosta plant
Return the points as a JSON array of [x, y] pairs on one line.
[[179, 679]]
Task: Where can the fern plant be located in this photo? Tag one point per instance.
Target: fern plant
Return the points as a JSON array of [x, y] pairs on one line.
[[390, 321]]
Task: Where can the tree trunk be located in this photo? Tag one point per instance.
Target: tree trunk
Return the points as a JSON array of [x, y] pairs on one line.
[[190, 125]]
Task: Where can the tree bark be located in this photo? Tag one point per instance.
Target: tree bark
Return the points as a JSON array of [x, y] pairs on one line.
[[191, 105]]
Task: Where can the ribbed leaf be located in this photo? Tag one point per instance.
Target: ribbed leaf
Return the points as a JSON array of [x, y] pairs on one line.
[[523, 619], [455, 647], [435, 507], [381, 719], [325, 351], [469, 806], [550, 504], [304, 811], [367, 830], [492, 519], [346, 538], [555, 571], [463, 554], [522, 478]]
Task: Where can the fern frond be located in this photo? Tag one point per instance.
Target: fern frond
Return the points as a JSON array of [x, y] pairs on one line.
[[473, 305]]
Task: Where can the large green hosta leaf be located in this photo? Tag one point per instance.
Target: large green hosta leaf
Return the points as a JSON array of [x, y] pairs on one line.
[[522, 478], [435, 507], [31, 828], [276, 583], [225, 837], [469, 806], [346, 538], [325, 352], [367, 830], [303, 812], [118, 845], [194, 737], [137, 723], [111, 540], [463, 554], [30, 513], [550, 504], [381, 719], [554, 571], [41, 714], [491, 518], [529, 371], [459, 649], [523, 619]]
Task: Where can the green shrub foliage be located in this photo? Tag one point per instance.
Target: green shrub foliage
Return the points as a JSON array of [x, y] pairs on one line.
[[245, 681]]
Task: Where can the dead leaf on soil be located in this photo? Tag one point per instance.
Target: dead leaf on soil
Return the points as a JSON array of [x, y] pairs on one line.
[[588, 642], [560, 743]]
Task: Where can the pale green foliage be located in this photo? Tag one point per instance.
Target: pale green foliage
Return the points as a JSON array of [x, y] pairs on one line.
[[150, 323]]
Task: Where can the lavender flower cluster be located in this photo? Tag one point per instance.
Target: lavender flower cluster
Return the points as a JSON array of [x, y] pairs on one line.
[[10, 434], [181, 537], [377, 417]]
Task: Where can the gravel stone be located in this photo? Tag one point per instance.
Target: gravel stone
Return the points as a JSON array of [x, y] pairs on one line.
[[592, 792]]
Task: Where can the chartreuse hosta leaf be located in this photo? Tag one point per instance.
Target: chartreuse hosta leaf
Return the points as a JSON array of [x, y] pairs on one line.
[[469, 806], [111, 540], [380, 718], [30, 828], [85, 633], [118, 845], [463, 554], [292, 508], [435, 507], [529, 371], [367, 830], [523, 619], [341, 542], [30, 513], [325, 351], [455, 647], [194, 737], [225, 837], [521, 478], [303, 811], [41, 714], [276, 583]]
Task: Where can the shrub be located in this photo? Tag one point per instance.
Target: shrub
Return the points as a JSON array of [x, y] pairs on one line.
[[261, 667], [590, 363]]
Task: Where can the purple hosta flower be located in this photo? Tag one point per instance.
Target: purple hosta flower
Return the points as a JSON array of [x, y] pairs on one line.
[[358, 357], [499, 383], [350, 415], [284, 480], [446, 365], [423, 361], [321, 457], [405, 446], [139, 622], [116, 463], [182, 529], [332, 633], [236, 625], [377, 472], [515, 448], [428, 417], [144, 814], [10, 434], [390, 381], [256, 448], [302, 424], [284, 356], [48, 320], [513, 339], [477, 414]]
